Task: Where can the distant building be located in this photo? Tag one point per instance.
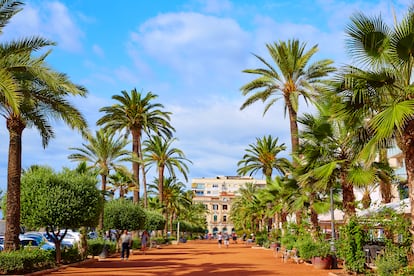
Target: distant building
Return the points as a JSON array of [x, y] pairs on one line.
[[217, 195]]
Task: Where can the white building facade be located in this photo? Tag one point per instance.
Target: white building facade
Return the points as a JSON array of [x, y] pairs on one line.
[[217, 194]]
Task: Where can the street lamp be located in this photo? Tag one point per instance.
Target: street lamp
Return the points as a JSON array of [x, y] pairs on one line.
[[333, 249]]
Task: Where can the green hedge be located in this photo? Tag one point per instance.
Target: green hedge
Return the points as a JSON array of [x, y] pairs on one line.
[[71, 255], [26, 260], [96, 246]]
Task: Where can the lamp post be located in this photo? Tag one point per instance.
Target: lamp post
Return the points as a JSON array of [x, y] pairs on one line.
[[332, 219], [333, 249], [178, 232]]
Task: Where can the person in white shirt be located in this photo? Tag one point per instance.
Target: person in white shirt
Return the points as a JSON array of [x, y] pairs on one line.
[[126, 241]]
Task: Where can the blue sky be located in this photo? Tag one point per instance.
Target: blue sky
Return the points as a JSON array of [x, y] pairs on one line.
[[190, 53]]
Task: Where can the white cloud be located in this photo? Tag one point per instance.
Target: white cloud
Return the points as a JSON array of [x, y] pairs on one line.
[[194, 46], [51, 20]]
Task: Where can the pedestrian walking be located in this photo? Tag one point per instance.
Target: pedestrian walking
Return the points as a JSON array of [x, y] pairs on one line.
[[226, 240], [234, 236], [126, 241], [144, 241], [219, 239]]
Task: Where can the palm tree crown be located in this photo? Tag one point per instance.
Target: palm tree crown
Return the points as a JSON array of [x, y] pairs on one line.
[[136, 113], [160, 152], [262, 156], [292, 77]]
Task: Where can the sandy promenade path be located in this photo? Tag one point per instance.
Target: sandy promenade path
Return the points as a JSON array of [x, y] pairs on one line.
[[196, 258]]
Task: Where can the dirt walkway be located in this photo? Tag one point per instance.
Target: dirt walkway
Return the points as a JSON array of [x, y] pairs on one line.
[[196, 258]]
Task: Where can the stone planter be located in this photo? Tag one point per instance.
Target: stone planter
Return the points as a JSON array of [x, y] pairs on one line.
[[322, 263]]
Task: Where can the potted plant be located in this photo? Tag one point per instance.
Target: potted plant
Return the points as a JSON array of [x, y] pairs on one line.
[[322, 258], [318, 252]]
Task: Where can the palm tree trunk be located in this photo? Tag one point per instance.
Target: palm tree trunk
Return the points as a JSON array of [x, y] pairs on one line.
[[293, 121], [11, 238], [144, 185], [366, 199], [407, 146], [161, 183], [348, 198], [313, 217], [385, 186], [136, 140], [294, 138], [144, 177], [101, 216]]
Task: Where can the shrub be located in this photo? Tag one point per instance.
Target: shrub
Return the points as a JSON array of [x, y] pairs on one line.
[[309, 248], [350, 246], [96, 246], [71, 255], [26, 260], [306, 247], [136, 243], [393, 259], [262, 239], [289, 240], [405, 271]]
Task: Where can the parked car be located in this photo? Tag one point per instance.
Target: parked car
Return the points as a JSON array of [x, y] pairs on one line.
[[65, 243], [35, 239], [93, 235], [25, 241], [74, 237]]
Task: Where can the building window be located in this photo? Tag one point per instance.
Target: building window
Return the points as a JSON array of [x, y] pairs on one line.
[[215, 206], [224, 218], [206, 206], [215, 218], [224, 207], [215, 185]]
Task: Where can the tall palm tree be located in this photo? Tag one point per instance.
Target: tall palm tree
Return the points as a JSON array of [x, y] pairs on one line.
[[292, 77], [262, 156], [383, 84], [136, 113], [159, 151], [45, 94], [105, 152]]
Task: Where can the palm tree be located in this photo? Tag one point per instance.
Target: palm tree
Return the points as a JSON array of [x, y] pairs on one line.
[[328, 154], [246, 208], [136, 113], [159, 151], [121, 180], [382, 89], [9, 55], [44, 97], [173, 197], [291, 78], [194, 213], [104, 152], [262, 156]]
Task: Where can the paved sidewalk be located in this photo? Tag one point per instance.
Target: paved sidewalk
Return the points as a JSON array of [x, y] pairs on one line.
[[196, 258]]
